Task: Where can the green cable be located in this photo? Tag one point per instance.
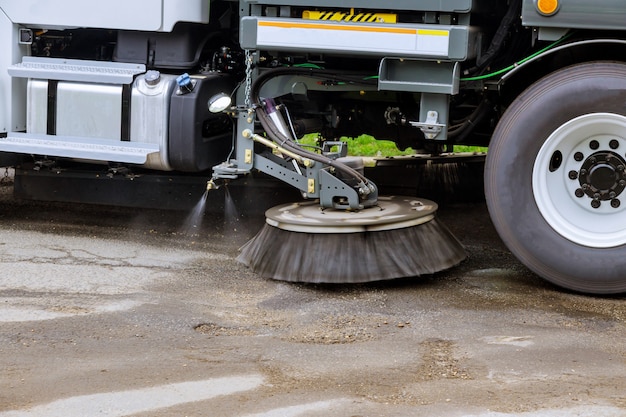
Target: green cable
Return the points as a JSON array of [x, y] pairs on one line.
[[307, 65], [477, 78], [510, 67]]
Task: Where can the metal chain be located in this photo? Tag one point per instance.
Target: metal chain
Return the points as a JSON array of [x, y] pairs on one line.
[[248, 87], [6, 178]]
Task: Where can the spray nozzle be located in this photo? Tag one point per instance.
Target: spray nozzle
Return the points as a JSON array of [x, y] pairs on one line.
[[215, 183], [211, 185]]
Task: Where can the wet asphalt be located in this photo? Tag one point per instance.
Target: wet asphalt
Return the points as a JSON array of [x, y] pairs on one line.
[[112, 311]]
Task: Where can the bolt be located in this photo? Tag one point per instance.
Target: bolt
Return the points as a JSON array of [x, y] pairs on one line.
[[594, 144], [593, 160], [595, 204], [612, 194], [573, 175], [615, 203], [579, 193], [585, 186], [578, 156], [620, 168], [583, 172], [622, 183], [614, 144], [596, 196]]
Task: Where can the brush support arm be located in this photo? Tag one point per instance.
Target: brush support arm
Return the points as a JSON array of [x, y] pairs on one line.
[[317, 181], [322, 175]]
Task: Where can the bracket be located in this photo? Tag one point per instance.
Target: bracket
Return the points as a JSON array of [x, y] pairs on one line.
[[336, 193], [431, 128]]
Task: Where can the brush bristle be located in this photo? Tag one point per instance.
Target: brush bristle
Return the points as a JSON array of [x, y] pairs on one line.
[[352, 257]]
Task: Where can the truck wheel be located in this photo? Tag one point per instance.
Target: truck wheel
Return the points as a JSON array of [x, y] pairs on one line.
[[555, 178]]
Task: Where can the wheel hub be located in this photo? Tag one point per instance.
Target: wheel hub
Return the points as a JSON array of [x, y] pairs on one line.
[[602, 177], [594, 167], [579, 180]]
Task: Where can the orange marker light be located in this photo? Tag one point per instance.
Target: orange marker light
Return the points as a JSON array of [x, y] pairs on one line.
[[547, 7]]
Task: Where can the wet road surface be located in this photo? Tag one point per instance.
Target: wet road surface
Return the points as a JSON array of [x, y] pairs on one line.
[[116, 312]]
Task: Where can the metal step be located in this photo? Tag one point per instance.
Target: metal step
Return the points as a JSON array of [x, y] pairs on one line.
[[77, 147], [76, 70], [403, 74]]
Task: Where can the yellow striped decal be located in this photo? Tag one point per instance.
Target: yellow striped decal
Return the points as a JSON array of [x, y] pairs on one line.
[[292, 25], [350, 17], [370, 38]]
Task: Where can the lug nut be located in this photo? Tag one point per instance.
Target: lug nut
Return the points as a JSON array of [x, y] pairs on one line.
[[614, 144], [615, 203], [594, 144], [579, 193], [573, 175], [578, 156], [595, 204]]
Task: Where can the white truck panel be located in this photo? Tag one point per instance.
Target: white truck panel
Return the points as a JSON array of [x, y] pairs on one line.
[[12, 90], [90, 110], [156, 15]]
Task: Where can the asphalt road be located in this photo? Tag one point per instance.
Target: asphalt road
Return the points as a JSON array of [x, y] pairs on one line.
[[115, 312]]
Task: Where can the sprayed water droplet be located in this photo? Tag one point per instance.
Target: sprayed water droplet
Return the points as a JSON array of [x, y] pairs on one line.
[[231, 215], [194, 219]]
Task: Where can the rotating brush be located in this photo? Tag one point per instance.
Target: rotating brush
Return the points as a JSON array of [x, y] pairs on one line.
[[386, 238], [398, 238]]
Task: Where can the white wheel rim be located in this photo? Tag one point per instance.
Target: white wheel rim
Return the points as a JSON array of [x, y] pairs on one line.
[[569, 215]]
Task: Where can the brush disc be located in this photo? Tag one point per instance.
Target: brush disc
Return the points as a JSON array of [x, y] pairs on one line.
[[399, 237]]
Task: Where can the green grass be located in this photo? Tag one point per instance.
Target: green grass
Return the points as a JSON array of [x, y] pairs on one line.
[[463, 148], [366, 145]]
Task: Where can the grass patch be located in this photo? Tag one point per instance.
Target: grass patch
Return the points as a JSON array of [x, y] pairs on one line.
[[463, 148], [366, 145]]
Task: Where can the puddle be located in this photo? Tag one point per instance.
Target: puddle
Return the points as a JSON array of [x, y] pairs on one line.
[[124, 403], [24, 310], [521, 341]]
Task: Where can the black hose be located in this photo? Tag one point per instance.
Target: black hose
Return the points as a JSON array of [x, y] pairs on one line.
[[497, 42], [287, 142], [459, 134], [290, 145]]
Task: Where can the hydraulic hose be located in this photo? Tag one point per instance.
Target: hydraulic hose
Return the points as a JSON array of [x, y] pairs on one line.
[[466, 127], [285, 141], [498, 39]]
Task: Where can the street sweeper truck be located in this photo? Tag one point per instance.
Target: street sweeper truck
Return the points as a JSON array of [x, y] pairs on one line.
[[225, 90]]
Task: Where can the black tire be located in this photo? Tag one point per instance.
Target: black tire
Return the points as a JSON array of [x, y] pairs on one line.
[[533, 196]]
